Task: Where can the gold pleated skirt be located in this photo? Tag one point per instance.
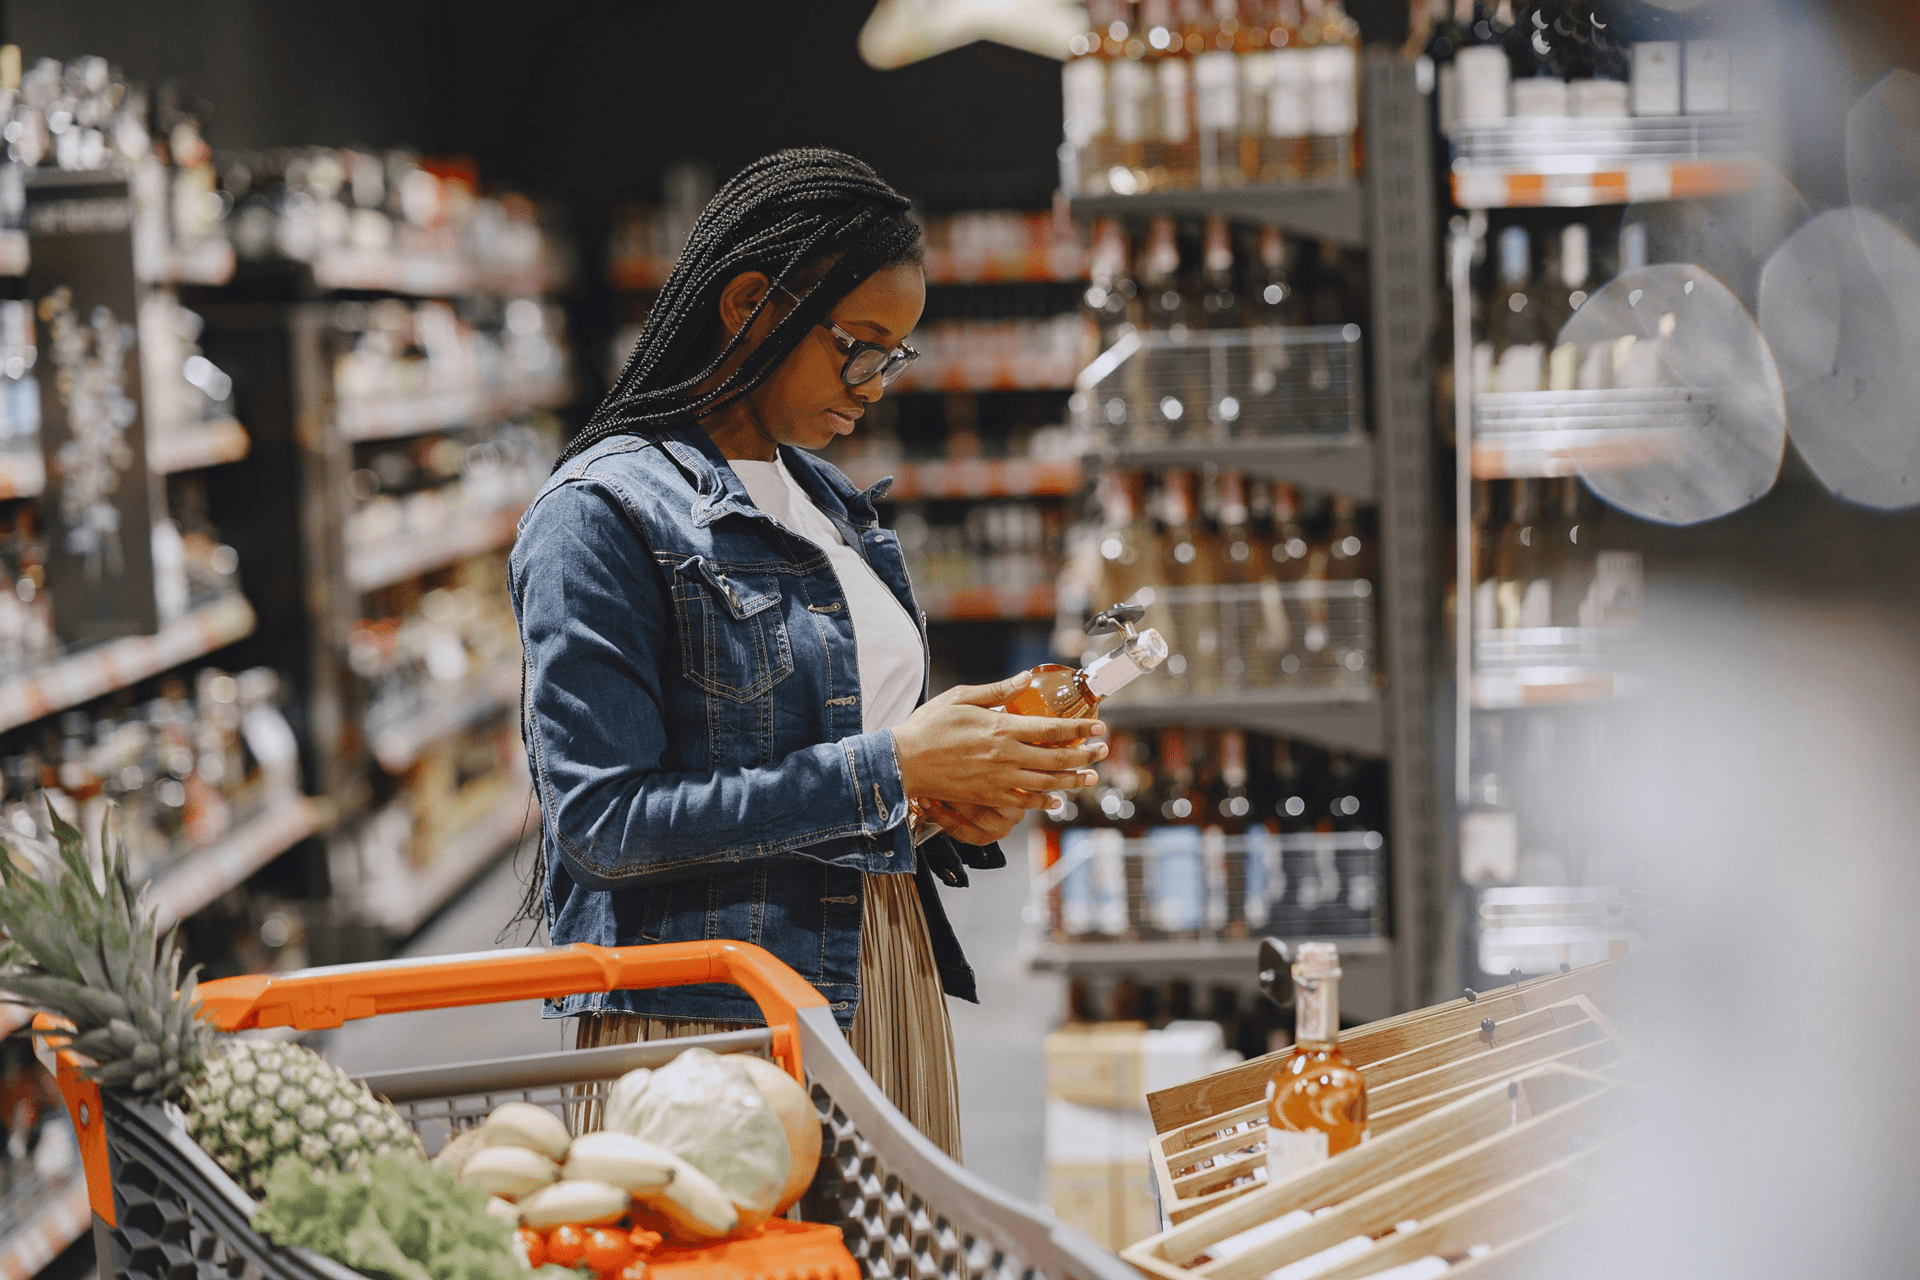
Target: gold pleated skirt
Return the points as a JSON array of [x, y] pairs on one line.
[[900, 1032]]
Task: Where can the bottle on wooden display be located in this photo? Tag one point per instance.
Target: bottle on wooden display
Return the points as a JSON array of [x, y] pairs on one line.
[[1316, 1100]]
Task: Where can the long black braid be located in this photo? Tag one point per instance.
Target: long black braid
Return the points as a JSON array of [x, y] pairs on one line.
[[813, 219], [810, 216]]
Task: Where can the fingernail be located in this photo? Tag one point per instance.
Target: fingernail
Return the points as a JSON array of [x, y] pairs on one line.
[[1020, 681], [1099, 751], [1055, 803], [1099, 727], [1088, 777]]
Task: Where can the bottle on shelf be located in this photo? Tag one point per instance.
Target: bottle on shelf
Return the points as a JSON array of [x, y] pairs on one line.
[[1172, 159], [1289, 98], [1489, 829], [1254, 54], [1654, 83], [1216, 93], [1515, 353], [1174, 844], [1111, 291], [1534, 54], [1085, 122], [1600, 89], [1524, 594], [1130, 105], [1483, 74], [1444, 35], [1568, 549], [1332, 41], [1220, 303], [1167, 306], [1316, 1100]]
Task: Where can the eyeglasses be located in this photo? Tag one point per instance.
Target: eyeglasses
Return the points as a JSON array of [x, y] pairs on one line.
[[864, 359]]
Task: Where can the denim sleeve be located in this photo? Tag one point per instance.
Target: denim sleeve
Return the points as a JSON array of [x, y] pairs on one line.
[[596, 620]]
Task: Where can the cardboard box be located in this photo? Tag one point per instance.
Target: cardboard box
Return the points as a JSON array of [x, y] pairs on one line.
[[1117, 1064], [1112, 1202]]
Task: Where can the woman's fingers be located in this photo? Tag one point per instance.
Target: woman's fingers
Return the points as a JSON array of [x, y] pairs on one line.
[[1055, 780], [1045, 731]]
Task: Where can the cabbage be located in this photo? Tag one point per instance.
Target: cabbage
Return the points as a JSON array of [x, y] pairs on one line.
[[705, 1109]]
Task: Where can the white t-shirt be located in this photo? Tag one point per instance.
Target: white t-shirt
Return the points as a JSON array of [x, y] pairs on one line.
[[892, 661]]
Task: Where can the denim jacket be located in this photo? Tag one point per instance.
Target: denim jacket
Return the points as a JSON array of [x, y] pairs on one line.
[[693, 723]]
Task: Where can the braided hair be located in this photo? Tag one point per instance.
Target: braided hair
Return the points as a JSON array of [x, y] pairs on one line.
[[816, 221]]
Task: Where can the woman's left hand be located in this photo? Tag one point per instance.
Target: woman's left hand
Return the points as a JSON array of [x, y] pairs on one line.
[[972, 823]]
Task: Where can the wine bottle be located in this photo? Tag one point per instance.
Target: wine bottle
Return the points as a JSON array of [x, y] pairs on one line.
[[1061, 692], [1316, 1100]]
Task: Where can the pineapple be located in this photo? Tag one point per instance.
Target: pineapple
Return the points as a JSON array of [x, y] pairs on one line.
[[83, 946]]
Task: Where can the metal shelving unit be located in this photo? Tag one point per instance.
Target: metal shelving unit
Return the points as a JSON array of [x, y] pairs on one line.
[[1390, 213]]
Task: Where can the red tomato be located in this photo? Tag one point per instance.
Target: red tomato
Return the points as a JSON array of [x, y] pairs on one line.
[[607, 1250], [565, 1245], [635, 1270], [535, 1246]]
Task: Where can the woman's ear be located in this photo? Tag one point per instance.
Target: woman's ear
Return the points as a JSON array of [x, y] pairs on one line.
[[739, 297]]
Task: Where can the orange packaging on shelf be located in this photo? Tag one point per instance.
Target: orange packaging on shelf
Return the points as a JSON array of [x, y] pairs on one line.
[[777, 1250]]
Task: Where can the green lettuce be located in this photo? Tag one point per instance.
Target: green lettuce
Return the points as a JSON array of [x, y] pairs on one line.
[[397, 1215]]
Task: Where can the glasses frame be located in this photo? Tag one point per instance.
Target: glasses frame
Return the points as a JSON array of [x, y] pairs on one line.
[[894, 360]]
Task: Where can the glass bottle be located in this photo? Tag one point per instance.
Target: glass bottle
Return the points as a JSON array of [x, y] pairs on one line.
[[1539, 85], [1517, 334], [1333, 71], [1316, 1100], [1166, 304], [1171, 157], [1220, 302], [1083, 97], [1522, 594], [1130, 107], [1254, 56], [1216, 94], [1290, 96], [1481, 68], [1061, 692]]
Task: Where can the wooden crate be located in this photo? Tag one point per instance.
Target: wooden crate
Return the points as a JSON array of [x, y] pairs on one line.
[[1486, 1172], [1210, 1133]]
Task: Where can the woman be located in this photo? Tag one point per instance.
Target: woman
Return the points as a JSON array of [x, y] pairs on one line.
[[726, 713]]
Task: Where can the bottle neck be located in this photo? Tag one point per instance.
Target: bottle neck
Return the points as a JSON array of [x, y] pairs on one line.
[[1316, 1015]]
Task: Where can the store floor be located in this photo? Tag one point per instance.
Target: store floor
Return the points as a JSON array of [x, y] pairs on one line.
[[998, 1040]]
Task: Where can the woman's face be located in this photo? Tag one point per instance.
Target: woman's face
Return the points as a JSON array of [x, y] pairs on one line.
[[803, 402]]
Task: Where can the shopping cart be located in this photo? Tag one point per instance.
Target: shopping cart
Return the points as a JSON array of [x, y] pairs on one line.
[[164, 1210]]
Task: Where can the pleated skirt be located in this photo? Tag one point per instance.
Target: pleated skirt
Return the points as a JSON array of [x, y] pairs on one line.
[[900, 1031]]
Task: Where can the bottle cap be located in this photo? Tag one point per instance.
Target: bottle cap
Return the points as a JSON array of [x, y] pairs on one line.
[[1115, 671], [1316, 960]]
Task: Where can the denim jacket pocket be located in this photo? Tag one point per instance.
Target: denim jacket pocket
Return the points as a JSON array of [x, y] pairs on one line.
[[733, 634]]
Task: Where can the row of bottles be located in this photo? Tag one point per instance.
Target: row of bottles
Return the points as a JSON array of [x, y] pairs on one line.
[[1006, 353], [1009, 546], [1217, 833], [419, 486], [1584, 58], [1541, 559], [1251, 587], [1211, 93], [1527, 293], [418, 649], [181, 769], [393, 348], [1177, 277]]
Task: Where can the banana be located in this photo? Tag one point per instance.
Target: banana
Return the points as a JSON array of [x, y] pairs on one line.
[[621, 1159], [521, 1124], [577, 1201], [693, 1205], [508, 1172]]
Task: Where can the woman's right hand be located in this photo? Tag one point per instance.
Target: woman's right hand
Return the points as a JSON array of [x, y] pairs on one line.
[[955, 747]]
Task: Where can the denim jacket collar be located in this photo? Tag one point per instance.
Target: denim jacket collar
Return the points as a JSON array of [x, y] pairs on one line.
[[719, 491]]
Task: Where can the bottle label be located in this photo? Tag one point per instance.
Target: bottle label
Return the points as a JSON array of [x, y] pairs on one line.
[[1216, 91], [1655, 85], [1291, 1153], [1482, 86], [1316, 1008], [1335, 70], [1265, 880], [1176, 115], [1540, 96], [1077, 888], [1176, 872], [1290, 96], [1083, 94], [1256, 81], [1131, 86], [1709, 77]]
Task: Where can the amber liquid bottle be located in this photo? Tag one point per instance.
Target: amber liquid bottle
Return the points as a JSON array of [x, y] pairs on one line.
[[1066, 694], [1316, 1100]]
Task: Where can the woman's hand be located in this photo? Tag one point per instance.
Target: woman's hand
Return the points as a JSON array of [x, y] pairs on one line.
[[954, 748], [972, 823]]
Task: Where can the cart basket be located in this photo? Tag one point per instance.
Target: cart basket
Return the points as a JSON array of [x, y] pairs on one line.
[[163, 1210]]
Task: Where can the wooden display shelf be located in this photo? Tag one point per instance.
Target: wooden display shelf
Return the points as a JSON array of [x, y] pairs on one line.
[[83, 676], [370, 568], [970, 478], [211, 444]]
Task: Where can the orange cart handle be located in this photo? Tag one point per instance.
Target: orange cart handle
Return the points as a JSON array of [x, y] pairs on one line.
[[315, 998]]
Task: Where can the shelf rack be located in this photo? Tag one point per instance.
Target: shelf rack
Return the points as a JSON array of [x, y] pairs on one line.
[[970, 477], [1551, 162], [1389, 212], [402, 908], [59, 1217]]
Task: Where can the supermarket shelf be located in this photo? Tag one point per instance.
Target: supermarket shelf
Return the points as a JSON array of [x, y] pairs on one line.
[[956, 380], [15, 257], [1065, 265], [59, 1220], [191, 448], [1553, 666], [85, 675], [1577, 163], [387, 417], [1333, 718], [1548, 687], [1176, 954], [205, 874], [990, 604], [398, 746], [370, 568], [22, 475], [423, 274], [210, 262], [465, 856], [1335, 464], [1333, 211], [970, 477], [1563, 433]]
